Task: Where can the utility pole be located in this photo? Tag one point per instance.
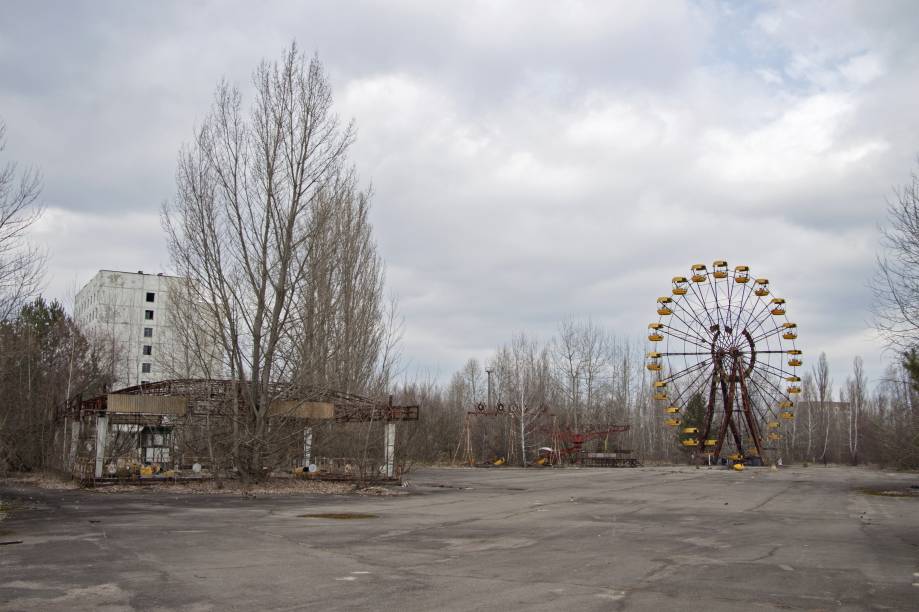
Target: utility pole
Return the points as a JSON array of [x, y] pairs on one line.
[[490, 402]]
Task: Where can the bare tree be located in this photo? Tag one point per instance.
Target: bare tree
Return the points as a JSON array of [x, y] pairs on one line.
[[856, 390], [824, 388], [21, 265], [896, 287], [241, 227]]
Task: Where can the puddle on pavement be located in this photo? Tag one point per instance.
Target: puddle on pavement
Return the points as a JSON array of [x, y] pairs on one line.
[[341, 516], [903, 492]]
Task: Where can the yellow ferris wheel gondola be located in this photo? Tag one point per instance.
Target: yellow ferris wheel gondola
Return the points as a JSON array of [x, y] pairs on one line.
[[778, 307], [671, 422], [720, 269], [680, 285], [663, 305], [762, 287], [790, 333], [699, 273], [741, 274]]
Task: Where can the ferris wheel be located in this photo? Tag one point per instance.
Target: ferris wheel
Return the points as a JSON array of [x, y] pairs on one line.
[[724, 361]]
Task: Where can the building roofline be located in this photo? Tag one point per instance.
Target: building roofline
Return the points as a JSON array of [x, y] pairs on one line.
[[141, 273]]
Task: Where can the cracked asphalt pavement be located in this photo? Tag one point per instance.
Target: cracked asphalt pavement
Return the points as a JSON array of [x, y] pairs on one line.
[[654, 538]]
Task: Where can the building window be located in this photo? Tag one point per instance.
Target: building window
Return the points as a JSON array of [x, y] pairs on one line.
[[145, 368], [148, 350], [151, 296], [148, 315], [148, 332]]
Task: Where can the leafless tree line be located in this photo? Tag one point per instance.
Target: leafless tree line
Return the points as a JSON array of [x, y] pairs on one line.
[[44, 358], [588, 377]]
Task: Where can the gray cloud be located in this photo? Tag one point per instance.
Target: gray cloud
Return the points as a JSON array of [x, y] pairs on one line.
[[530, 161]]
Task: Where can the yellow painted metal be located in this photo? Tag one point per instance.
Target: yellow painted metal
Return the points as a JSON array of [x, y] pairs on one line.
[[761, 292], [654, 367], [690, 430], [711, 442], [653, 355], [690, 442], [699, 278], [664, 309], [698, 267], [789, 325], [655, 326], [762, 281], [680, 291], [790, 335], [738, 467], [679, 279], [786, 404], [741, 274], [661, 396], [794, 390], [660, 384], [778, 300], [720, 269], [672, 422], [773, 424], [793, 352], [787, 415], [672, 409], [736, 457], [655, 337], [794, 362], [793, 378]]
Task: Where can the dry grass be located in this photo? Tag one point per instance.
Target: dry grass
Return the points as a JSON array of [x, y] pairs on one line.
[[43, 480]]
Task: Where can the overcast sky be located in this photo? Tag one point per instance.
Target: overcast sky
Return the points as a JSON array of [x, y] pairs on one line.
[[530, 160]]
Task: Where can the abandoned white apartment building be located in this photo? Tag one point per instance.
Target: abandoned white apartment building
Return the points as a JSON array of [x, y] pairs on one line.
[[136, 315]]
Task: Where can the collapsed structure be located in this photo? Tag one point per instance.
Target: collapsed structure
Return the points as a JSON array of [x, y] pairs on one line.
[[172, 424]]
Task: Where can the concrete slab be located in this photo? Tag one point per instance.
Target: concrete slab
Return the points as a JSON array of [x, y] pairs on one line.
[[476, 539]]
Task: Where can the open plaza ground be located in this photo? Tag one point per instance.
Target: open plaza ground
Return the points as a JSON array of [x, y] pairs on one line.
[[653, 538]]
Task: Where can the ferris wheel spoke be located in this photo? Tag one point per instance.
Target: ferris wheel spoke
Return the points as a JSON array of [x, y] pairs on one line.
[[714, 291], [693, 385], [687, 371], [780, 393], [692, 314], [690, 339], [769, 333], [698, 293], [685, 354], [771, 393], [746, 292], [781, 372], [759, 314]]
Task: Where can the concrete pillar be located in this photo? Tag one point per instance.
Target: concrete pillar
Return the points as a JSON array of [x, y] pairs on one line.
[[101, 435], [75, 425], [390, 445], [307, 446]]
